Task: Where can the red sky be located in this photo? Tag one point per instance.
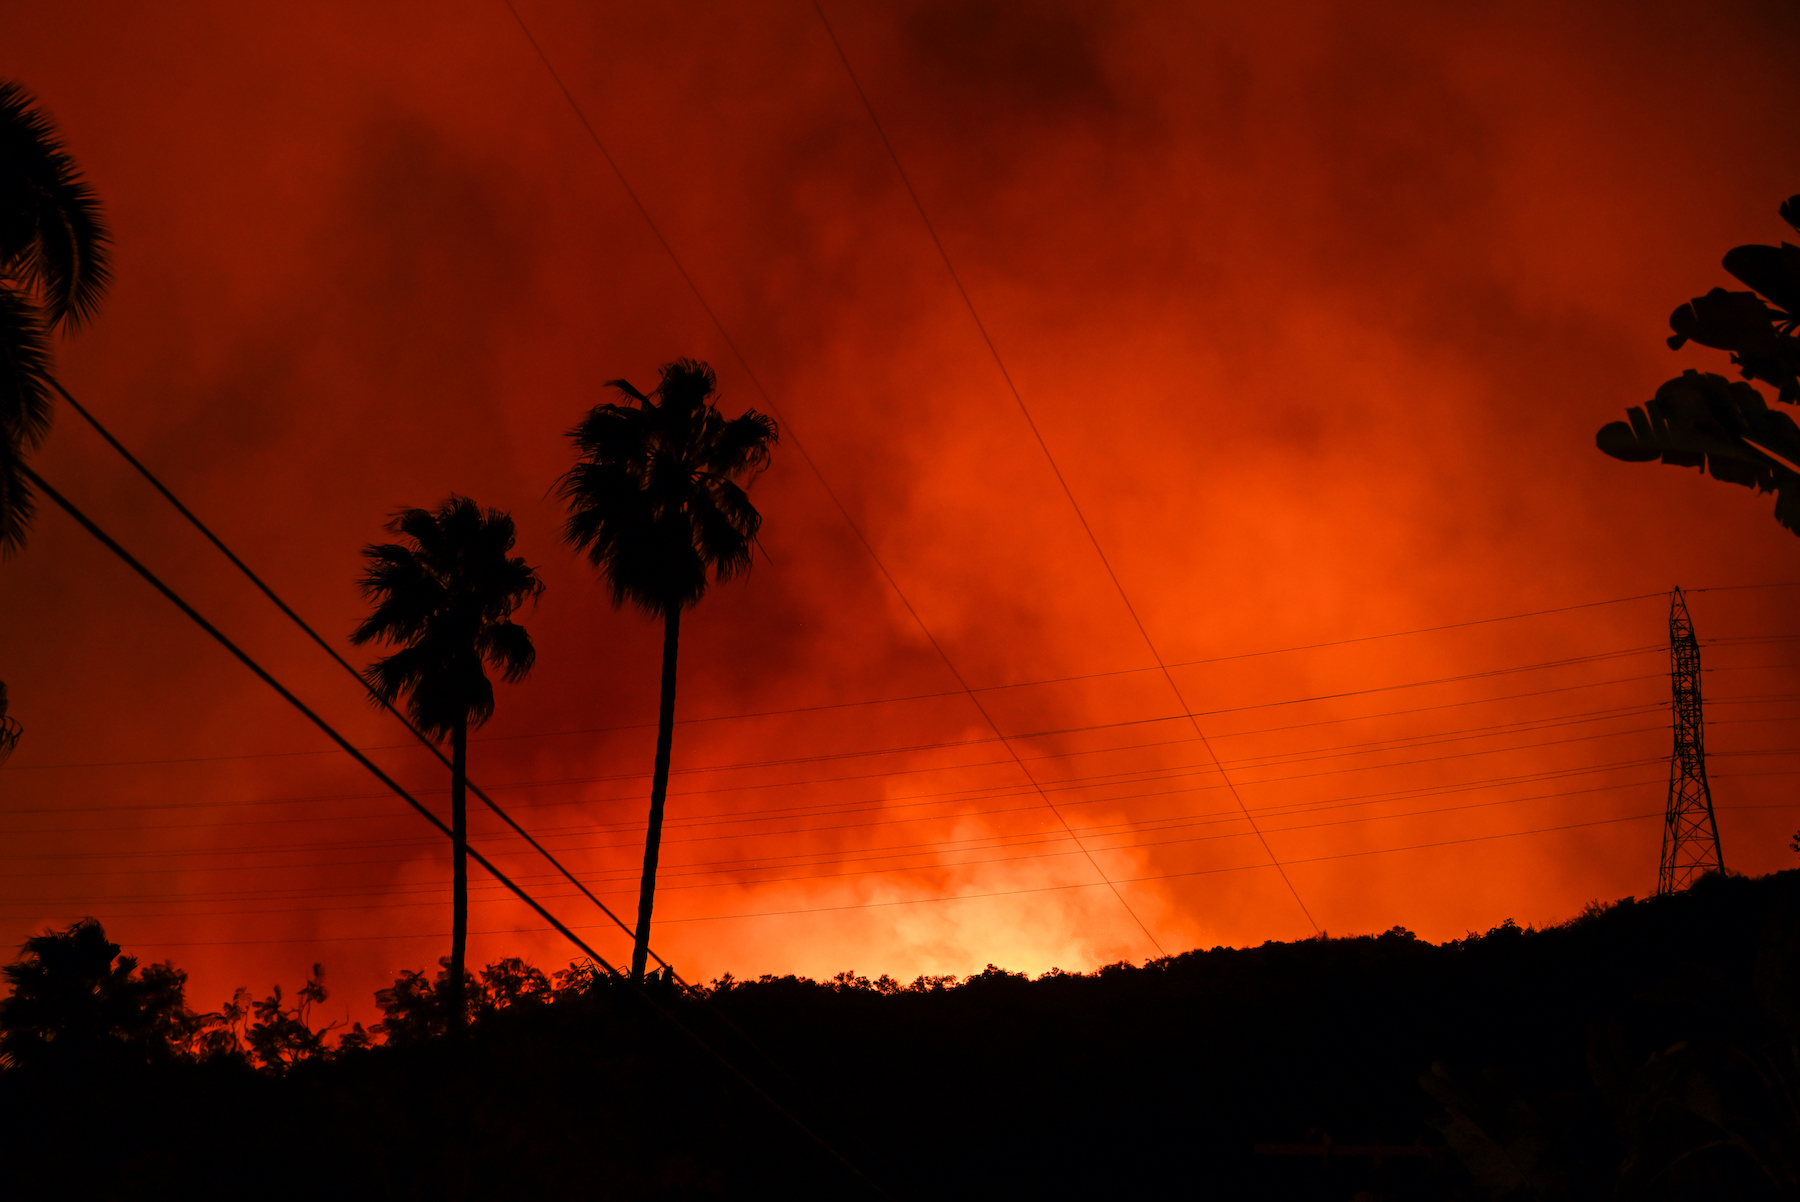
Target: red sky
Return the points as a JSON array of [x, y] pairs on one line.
[[1317, 308]]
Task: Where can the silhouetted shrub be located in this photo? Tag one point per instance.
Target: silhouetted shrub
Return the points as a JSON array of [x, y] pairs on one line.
[[1642, 1050], [75, 997]]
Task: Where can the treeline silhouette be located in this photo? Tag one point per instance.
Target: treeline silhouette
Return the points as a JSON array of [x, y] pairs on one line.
[[1646, 1049]]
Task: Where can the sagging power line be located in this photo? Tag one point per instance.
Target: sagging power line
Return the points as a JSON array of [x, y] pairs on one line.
[[314, 635], [1021, 735]]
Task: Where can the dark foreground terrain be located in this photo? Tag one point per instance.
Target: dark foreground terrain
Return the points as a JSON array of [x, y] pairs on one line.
[[1645, 1050]]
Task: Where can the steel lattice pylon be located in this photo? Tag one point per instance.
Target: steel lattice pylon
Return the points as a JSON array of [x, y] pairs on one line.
[[1690, 833]]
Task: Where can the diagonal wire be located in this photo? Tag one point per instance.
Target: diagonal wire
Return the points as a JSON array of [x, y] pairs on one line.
[[330, 650], [799, 447], [1045, 447], [263, 674]]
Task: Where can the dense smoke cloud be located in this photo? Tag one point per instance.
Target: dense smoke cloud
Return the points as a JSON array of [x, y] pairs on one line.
[[1317, 309]]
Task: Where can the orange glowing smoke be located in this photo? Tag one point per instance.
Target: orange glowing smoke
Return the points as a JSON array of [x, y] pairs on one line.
[[1318, 310]]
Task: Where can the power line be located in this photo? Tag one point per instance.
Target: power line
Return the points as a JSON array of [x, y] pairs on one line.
[[1286, 810], [731, 344], [130, 561], [874, 701], [1037, 434], [919, 205], [1534, 667], [1165, 876], [970, 792], [995, 843], [296, 893], [1143, 776], [1100, 780], [895, 700], [1374, 747], [1161, 823], [297, 620], [996, 893], [1280, 810]]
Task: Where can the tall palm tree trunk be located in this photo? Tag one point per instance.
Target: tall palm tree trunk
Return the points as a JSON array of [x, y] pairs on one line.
[[659, 791], [459, 870]]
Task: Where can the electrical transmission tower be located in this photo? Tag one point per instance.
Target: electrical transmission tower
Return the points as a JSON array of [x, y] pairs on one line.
[[1690, 833]]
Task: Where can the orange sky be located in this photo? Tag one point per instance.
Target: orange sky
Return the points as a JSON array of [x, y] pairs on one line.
[[1317, 310]]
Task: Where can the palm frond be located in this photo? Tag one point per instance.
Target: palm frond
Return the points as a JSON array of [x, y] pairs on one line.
[[445, 600], [652, 500], [17, 506], [24, 371], [507, 646], [24, 412], [725, 527], [687, 387], [626, 387], [476, 699], [394, 676], [52, 237], [420, 525], [406, 592], [612, 434], [743, 444]]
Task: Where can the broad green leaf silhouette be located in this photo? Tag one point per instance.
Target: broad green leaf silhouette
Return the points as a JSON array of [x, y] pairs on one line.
[[1759, 335], [1722, 426], [1773, 271]]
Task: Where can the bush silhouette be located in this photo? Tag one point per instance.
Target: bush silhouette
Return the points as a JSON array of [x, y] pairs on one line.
[[75, 998], [1645, 1049]]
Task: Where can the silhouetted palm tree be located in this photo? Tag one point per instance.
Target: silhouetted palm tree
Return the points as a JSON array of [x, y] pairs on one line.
[[52, 273], [654, 503], [446, 601]]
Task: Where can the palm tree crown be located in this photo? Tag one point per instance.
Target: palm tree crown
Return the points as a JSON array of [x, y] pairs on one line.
[[654, 500], [447, 601], [52, 273]]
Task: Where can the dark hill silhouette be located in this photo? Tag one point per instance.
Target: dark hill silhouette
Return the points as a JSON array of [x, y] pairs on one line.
[[1643, 1050]]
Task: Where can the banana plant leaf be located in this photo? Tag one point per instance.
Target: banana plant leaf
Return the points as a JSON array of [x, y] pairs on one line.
[[1773, 271], [1723, 320], [1723, 427], [1757, 334]]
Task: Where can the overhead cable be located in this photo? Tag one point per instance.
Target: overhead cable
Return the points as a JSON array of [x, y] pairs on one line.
[[297, 620], [262, 673]]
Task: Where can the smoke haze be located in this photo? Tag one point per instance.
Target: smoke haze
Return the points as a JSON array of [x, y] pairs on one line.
[[1317, 309]]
